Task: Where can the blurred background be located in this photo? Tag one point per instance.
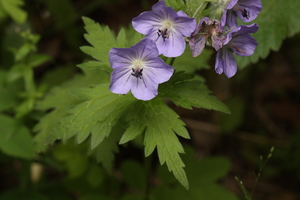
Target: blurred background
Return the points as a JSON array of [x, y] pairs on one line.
[[264, 99]]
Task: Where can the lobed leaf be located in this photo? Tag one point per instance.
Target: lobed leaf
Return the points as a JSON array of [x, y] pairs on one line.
[[58, 100], [188, 94], [277, 21], [101, 38], [96, 115], [160, 123]]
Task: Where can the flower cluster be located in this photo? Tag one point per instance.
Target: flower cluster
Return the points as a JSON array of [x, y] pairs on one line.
[[139, 69], [226, 36]]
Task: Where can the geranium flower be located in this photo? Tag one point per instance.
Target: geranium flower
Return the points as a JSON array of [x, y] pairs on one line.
[[237, 41], [138, 69], [246, 10], [207, 32], [166, 28]]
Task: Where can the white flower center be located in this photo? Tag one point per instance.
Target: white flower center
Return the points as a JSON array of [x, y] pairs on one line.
[[167, 24], [137, 64]]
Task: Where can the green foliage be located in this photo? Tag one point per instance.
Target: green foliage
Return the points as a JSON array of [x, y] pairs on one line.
[[25, 60], [101, 110], [104, 153], [59, 99], [92, 122], [12, 8], [191, 93], [277, 21], [159, 123], [102, 40], [15, 138], [263, 162], [189, 64], [97, 115], [134, 175], [203, 177]]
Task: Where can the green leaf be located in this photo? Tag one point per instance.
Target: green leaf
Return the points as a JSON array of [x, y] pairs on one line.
[[12, 7], [277, 21], [159, 122], [74, 158], [95, 65], [101, 38], [37, 59], [104, 153], [176, 5], [189, 64], [7, 92], [97, 115], [16, 139], [203, 175], [190, 94], [121, 39], [59, 99]]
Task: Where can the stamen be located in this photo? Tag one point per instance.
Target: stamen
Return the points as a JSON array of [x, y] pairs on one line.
[[163, 34], [137, 73], [245, 13]]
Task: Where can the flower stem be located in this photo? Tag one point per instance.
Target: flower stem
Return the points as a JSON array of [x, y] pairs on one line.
[[172, 61]]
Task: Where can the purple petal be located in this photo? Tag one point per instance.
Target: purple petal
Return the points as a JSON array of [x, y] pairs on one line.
[[159, 6], [223, 18], [180, 13], [244, 29], [200, 23], [197, 45], [173, 46], [185, 25], [228, 16], [146, 49], [243, 45], [231, 19], [145, 22], [231, 4], [217, 41], [121, 80], [120, 57], [159, 72], [247, 10], [163, 11], [144, 89], [225, 62]]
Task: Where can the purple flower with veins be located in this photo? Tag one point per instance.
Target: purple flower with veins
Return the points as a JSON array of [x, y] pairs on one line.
[[237, 41], [138, 69], [166, 28], [207, 32], [246, 10]]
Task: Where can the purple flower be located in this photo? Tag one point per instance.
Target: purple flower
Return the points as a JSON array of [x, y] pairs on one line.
[[207, 32], [138, 69], [166, 28], [237, 41], [246, 10]]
